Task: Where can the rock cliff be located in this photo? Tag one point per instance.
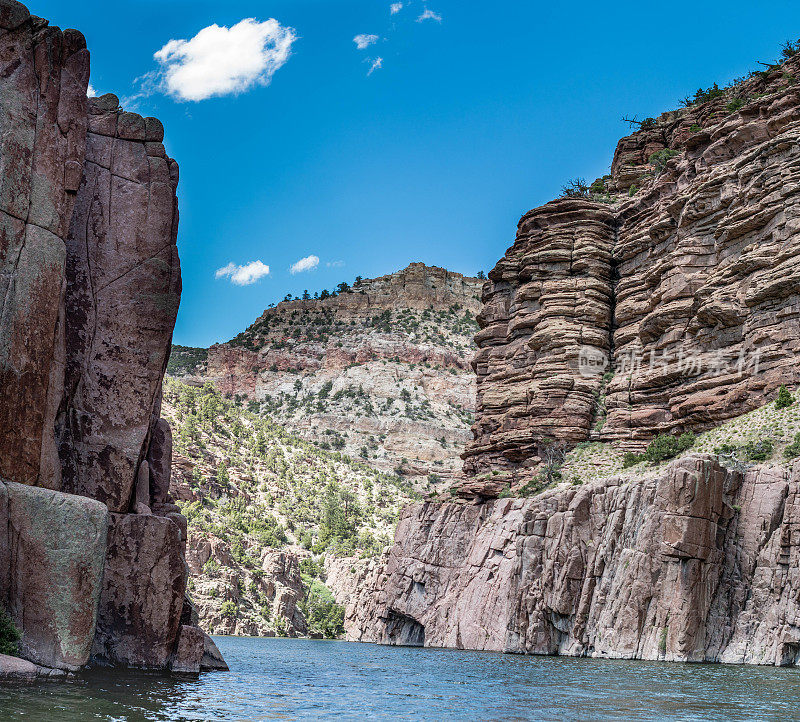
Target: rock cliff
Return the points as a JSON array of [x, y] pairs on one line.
[[380, 371], [698, 563], [91, 546], [665, 298]]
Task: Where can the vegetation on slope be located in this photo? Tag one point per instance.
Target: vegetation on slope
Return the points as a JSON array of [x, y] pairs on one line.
[[768, 434], [242, 479]]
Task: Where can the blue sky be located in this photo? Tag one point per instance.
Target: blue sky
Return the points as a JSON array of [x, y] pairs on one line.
[[476, 112]]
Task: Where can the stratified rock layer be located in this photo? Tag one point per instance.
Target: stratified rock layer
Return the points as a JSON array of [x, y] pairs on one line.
[[697, 563], [687, 293]]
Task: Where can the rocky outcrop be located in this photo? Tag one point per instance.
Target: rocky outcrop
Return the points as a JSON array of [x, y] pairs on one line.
[[43, 117], [90, 285], [697, 563], [380, 371], [136, 627], [15, 669], [664, 299], [673, 306], [276, 582]]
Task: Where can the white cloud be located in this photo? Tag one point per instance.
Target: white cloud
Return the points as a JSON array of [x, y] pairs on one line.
[[91, 92], [334, 264], [429, 15], [244, 275], [221, 60], [377, 64], [305, 264], [364, 41], [395, 8]]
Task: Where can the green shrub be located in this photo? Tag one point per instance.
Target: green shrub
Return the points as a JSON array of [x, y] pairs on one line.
[[9, 635], [324, 615], [660, 157], [784, 399], [630, 459], [661, 448], [792, 451], [735, 104], [726, 450], [228, 609], [599, 186], [758, 450]]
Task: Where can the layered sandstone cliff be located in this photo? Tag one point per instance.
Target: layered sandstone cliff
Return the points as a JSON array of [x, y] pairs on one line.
[[682, 287], [664, 300], [380, 372], [91, 546]]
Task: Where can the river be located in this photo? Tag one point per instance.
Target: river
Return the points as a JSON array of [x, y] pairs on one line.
[[286, 679]]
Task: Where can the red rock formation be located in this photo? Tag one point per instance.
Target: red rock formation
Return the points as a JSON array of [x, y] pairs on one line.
[[672, 308], [123, 290], [44, 76], [90, 282]]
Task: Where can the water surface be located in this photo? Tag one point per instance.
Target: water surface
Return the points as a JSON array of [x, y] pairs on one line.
[[285, 679]]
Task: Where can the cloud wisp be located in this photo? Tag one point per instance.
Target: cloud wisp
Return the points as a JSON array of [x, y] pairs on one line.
[[309, 263], [376, 64], [224, 61], [363, 41], [244, 275], [429, 15], [395, 8]]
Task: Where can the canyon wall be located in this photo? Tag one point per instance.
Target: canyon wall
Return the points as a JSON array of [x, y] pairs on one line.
[[91, 546], [696, 563], [677, 300], [663, 299]]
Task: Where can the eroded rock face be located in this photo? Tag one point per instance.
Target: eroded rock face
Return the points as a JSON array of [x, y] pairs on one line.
[[698, 563], [43, 121], [686, 293], [90, 284], [549, 298]]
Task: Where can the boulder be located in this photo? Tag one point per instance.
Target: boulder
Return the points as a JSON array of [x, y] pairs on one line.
[[212, 658], [190, 650], [56, 547], [14, 669]]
